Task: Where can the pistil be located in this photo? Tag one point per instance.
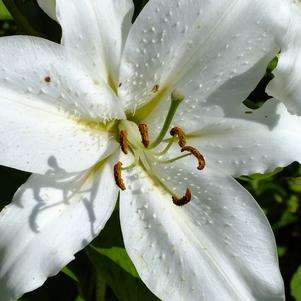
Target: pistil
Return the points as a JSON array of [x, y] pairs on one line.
[[176, 99]]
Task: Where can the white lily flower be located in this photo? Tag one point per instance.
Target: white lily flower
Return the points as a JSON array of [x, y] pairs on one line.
[[191, 230], [286, 84]]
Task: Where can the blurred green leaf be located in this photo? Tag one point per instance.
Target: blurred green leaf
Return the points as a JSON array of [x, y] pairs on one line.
[[66, 270], [296, 285], [32, 20], [4, 13], [260, 177], [281, 250]]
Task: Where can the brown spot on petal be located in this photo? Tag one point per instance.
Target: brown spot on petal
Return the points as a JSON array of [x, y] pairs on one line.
[[155, 88], [47, 79]]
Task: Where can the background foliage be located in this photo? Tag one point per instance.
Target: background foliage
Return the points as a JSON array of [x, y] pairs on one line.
[[103, 270]]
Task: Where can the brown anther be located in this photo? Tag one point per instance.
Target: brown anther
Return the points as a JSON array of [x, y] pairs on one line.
[[123, 140], [197, 154], [155, 88], [176, 131], [143, 129], [117, 175], [184, 200], [47, 79]]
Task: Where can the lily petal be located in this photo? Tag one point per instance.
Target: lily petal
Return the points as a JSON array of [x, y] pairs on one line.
[[97, 29], [221, 239], [286, 84], [256, 141], [196, 46], [48, 7], [51, 218], [48, 104]]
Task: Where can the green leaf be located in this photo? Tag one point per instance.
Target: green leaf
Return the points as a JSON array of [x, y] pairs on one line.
[[124, 285], [119, 256], [70, 273], [281, 250], [259, 177], [296, 285], [4, 13], [113, 266]]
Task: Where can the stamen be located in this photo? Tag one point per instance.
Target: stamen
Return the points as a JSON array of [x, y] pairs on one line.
[[172, 160], [143, 129], [197, 154], [176, 131], [123, 140], [185, 199], [166, 149], [117, 175], [176, 99]]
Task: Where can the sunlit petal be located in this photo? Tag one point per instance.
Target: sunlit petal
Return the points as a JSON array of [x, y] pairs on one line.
[[47, 111], [217, 247], [51, 218], [196, 47], [49, 7], [252, 141], [97, 29], [286, 84]]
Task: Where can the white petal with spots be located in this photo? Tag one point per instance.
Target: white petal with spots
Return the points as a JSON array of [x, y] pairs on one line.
[[97, 30], [197, 46], [252, 141], [47, 111], [218, 247]]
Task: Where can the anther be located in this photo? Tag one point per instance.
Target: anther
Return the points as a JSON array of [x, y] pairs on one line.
[[197, 154], [117, 175], [143, 129], [123, 140], [184, 200], [176, 131]]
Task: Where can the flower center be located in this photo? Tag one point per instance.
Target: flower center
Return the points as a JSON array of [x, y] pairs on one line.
[[134, 138]]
